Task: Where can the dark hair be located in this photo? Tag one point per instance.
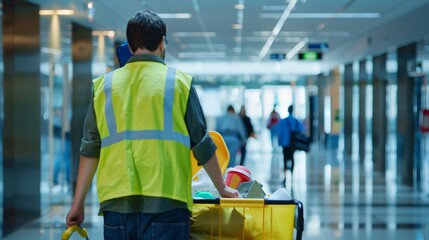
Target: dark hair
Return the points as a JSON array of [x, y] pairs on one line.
[[230, 108], [290, 109], [145, 30]]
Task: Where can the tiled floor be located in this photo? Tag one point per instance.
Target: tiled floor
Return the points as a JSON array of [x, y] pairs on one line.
[[343, 199]]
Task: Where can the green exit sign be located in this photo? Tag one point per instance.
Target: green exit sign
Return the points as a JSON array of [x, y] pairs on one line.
[[311, 56]]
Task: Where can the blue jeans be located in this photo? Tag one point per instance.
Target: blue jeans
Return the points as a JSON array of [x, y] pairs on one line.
[[168, 225]]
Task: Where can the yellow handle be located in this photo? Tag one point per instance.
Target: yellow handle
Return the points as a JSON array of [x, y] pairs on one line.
[[242, 202], [69, 231]]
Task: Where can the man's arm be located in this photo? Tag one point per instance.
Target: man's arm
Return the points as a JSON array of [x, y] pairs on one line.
[[87, 169], [213, 170], [89, 157], [203, 146]]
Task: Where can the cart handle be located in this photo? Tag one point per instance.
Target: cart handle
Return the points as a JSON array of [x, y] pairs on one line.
[[75, 228]]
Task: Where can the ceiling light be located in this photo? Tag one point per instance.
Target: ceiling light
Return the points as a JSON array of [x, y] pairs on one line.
[[284, 33], [239, 6], [110, 34], [334, 34], [237, 26], [335, 15], [322, 15], [202, 55], [274, 8], [46, 12], [277, 29], [194, 34], [175, 15], [91, 10], [203, 46]]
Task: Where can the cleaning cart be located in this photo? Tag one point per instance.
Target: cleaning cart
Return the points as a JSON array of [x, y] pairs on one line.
[[256, 219]]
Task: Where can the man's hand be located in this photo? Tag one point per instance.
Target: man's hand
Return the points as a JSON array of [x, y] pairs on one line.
[[228, 192], [75, 216], [87, 168]]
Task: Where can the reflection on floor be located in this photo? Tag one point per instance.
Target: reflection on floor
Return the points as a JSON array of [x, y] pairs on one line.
[[343, 198]]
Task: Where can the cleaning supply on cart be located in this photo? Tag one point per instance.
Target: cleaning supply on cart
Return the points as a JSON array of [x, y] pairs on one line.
[[222, 154], [201, 182], [251, 189], [279, 194], [203, 195], [236, 175]]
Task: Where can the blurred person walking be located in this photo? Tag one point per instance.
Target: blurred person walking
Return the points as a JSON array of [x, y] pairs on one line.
[[273, 120], [285, 128], [233, 132], [250, 132]]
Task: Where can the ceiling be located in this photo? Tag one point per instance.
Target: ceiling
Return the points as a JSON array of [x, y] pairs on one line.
[[238, 31]]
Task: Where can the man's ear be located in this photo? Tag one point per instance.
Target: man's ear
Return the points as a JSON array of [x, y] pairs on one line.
[[162, 44]]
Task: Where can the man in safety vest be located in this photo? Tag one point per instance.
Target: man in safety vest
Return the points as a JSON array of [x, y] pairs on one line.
[[142, 122]]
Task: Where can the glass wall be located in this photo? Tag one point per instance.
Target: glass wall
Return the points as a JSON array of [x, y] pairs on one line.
[[391, 115], [423, 59], [369, 112], [425, 141], [55, 110]]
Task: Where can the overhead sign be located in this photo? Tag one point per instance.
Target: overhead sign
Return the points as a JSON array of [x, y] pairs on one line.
[[278, 56], [310, 56], [318, 46]]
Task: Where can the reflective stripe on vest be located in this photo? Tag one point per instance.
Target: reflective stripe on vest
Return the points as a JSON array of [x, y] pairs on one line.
[[166, 134]]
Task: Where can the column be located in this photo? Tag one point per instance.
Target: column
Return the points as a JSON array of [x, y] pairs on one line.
[[405, 123], [334, 91], [22, 114], [321, 82], [348, 109], [81, 90], [363, 81], [379, 121]]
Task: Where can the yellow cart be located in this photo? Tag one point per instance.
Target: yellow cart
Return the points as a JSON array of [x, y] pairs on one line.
[[229, 219]]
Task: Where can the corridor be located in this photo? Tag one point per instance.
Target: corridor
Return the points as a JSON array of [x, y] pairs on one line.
[[343, 198]]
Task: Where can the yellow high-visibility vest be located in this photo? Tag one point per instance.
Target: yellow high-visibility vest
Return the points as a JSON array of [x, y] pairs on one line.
[[145, 145]]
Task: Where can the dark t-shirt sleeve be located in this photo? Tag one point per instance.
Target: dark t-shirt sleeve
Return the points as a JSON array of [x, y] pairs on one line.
[[91, 142], [202, 145]]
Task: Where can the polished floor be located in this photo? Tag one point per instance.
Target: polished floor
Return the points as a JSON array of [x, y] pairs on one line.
[[343, 198]]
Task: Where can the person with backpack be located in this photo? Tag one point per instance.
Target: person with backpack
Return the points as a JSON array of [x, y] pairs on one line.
[[285, 129]]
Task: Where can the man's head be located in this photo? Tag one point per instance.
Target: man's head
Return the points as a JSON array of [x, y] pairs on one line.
[[230, 109], [146, 30], [290, 109]]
